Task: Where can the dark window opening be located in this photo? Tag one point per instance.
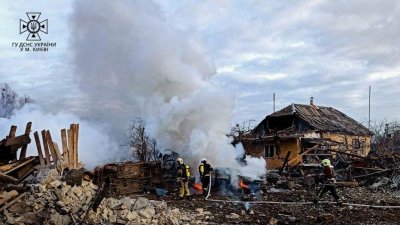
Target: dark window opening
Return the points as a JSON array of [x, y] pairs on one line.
[[269, 151]]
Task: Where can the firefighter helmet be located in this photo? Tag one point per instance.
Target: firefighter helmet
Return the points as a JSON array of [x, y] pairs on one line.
[[326, 162], [179, 160], [203, 160]]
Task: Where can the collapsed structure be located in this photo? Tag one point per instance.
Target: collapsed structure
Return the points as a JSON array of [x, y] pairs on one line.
[[305, 134]]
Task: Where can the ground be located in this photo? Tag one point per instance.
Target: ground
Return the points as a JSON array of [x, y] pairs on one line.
[[298, 214]]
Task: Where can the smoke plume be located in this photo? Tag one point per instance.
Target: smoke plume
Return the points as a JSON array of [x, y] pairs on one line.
[[130, 62]]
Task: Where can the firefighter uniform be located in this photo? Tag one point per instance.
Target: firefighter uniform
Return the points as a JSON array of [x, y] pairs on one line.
[[183, 178], [328, 182], [205, 170]]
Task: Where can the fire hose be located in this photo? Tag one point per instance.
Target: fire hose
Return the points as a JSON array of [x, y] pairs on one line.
[[307, 203], [297, 203]]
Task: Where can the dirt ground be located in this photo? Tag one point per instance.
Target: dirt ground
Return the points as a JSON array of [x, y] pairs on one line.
[[300, 212]]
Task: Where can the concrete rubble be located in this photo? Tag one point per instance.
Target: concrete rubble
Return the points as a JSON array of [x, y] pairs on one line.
[[52, 201]]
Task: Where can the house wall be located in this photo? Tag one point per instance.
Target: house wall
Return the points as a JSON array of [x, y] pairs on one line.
[[347, 141], [257, 149]]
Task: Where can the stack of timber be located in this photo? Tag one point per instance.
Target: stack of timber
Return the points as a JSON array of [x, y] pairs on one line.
[[128, 178], [52, 155], [14, 170]]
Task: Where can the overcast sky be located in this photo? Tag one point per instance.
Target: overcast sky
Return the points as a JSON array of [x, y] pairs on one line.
[[331, 50]]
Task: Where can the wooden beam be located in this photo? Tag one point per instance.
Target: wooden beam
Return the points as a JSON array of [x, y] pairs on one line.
[[27, 161], [22, 154], [8, 179], [65, 146], [39, 148], [8, 196], [51, 147], [76, 134], [12, 202], [17, 142], [46, 147], [59, 157], [70, 149], [13, 130]]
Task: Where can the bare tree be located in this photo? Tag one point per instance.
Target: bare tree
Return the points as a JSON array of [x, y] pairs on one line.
[[145, 148], [10, 102], [386, 136]]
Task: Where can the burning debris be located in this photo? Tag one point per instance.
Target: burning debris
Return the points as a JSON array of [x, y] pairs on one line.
[[54, 188]]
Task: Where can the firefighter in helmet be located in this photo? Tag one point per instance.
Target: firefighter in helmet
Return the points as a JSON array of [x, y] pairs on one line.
[[328, 184], [205, 176], [183, 179]]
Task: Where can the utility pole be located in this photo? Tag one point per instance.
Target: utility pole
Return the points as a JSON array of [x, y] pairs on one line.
[[369, 108], [273, 97]]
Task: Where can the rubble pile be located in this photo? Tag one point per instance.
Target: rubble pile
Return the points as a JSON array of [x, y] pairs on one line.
[[142, 211], [52, 201]]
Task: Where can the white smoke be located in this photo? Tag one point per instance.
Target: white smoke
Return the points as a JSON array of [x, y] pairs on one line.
[[130, 62], [94, 145]]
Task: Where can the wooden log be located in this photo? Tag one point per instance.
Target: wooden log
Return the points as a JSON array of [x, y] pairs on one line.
[[12, 202], [39, 148], [46, 147], [22, 154], [76, 134], [51, 147], [65, 146], [70, 149], [8, 196]]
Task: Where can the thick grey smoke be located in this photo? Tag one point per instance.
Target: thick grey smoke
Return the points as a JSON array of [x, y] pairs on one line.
[[130, 62]]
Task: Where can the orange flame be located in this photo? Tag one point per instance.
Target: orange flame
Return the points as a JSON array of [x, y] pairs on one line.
[[198, 186], [242, 185]]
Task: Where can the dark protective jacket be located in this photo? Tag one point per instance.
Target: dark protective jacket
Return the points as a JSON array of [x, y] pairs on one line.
[[205, 169], [183, 171]]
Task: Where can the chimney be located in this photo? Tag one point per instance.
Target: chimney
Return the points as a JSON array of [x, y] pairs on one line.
[[311, 100]]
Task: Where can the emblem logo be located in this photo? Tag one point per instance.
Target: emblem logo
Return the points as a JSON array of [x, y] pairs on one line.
[[33, 26]]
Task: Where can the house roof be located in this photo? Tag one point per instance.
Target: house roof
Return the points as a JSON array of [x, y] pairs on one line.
[[323, 119]]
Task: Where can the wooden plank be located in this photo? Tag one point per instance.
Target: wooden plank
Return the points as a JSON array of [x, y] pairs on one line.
[[76, 134], [27, 161], [12, 202], [65, 146], [57, 150], [46, 148], [39, 148], [8, 179], [72, 127], [18, 142], [22, 154], [70, 150], [51, 147], [8, 196], [13, 131]]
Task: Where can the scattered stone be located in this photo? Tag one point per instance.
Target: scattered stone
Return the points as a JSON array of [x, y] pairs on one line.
[[327, 218], [232, 216], [199, 210]]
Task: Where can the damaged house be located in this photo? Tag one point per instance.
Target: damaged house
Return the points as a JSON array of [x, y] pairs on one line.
[[305, 134]]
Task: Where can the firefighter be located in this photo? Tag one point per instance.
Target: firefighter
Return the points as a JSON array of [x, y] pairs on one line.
[[183, 179], [205, 170], [328, 182]]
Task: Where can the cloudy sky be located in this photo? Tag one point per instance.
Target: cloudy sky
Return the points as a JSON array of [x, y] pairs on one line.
[[331, 50]]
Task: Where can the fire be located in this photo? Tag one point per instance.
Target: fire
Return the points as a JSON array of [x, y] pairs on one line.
[[242, 185], [198, 186]]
